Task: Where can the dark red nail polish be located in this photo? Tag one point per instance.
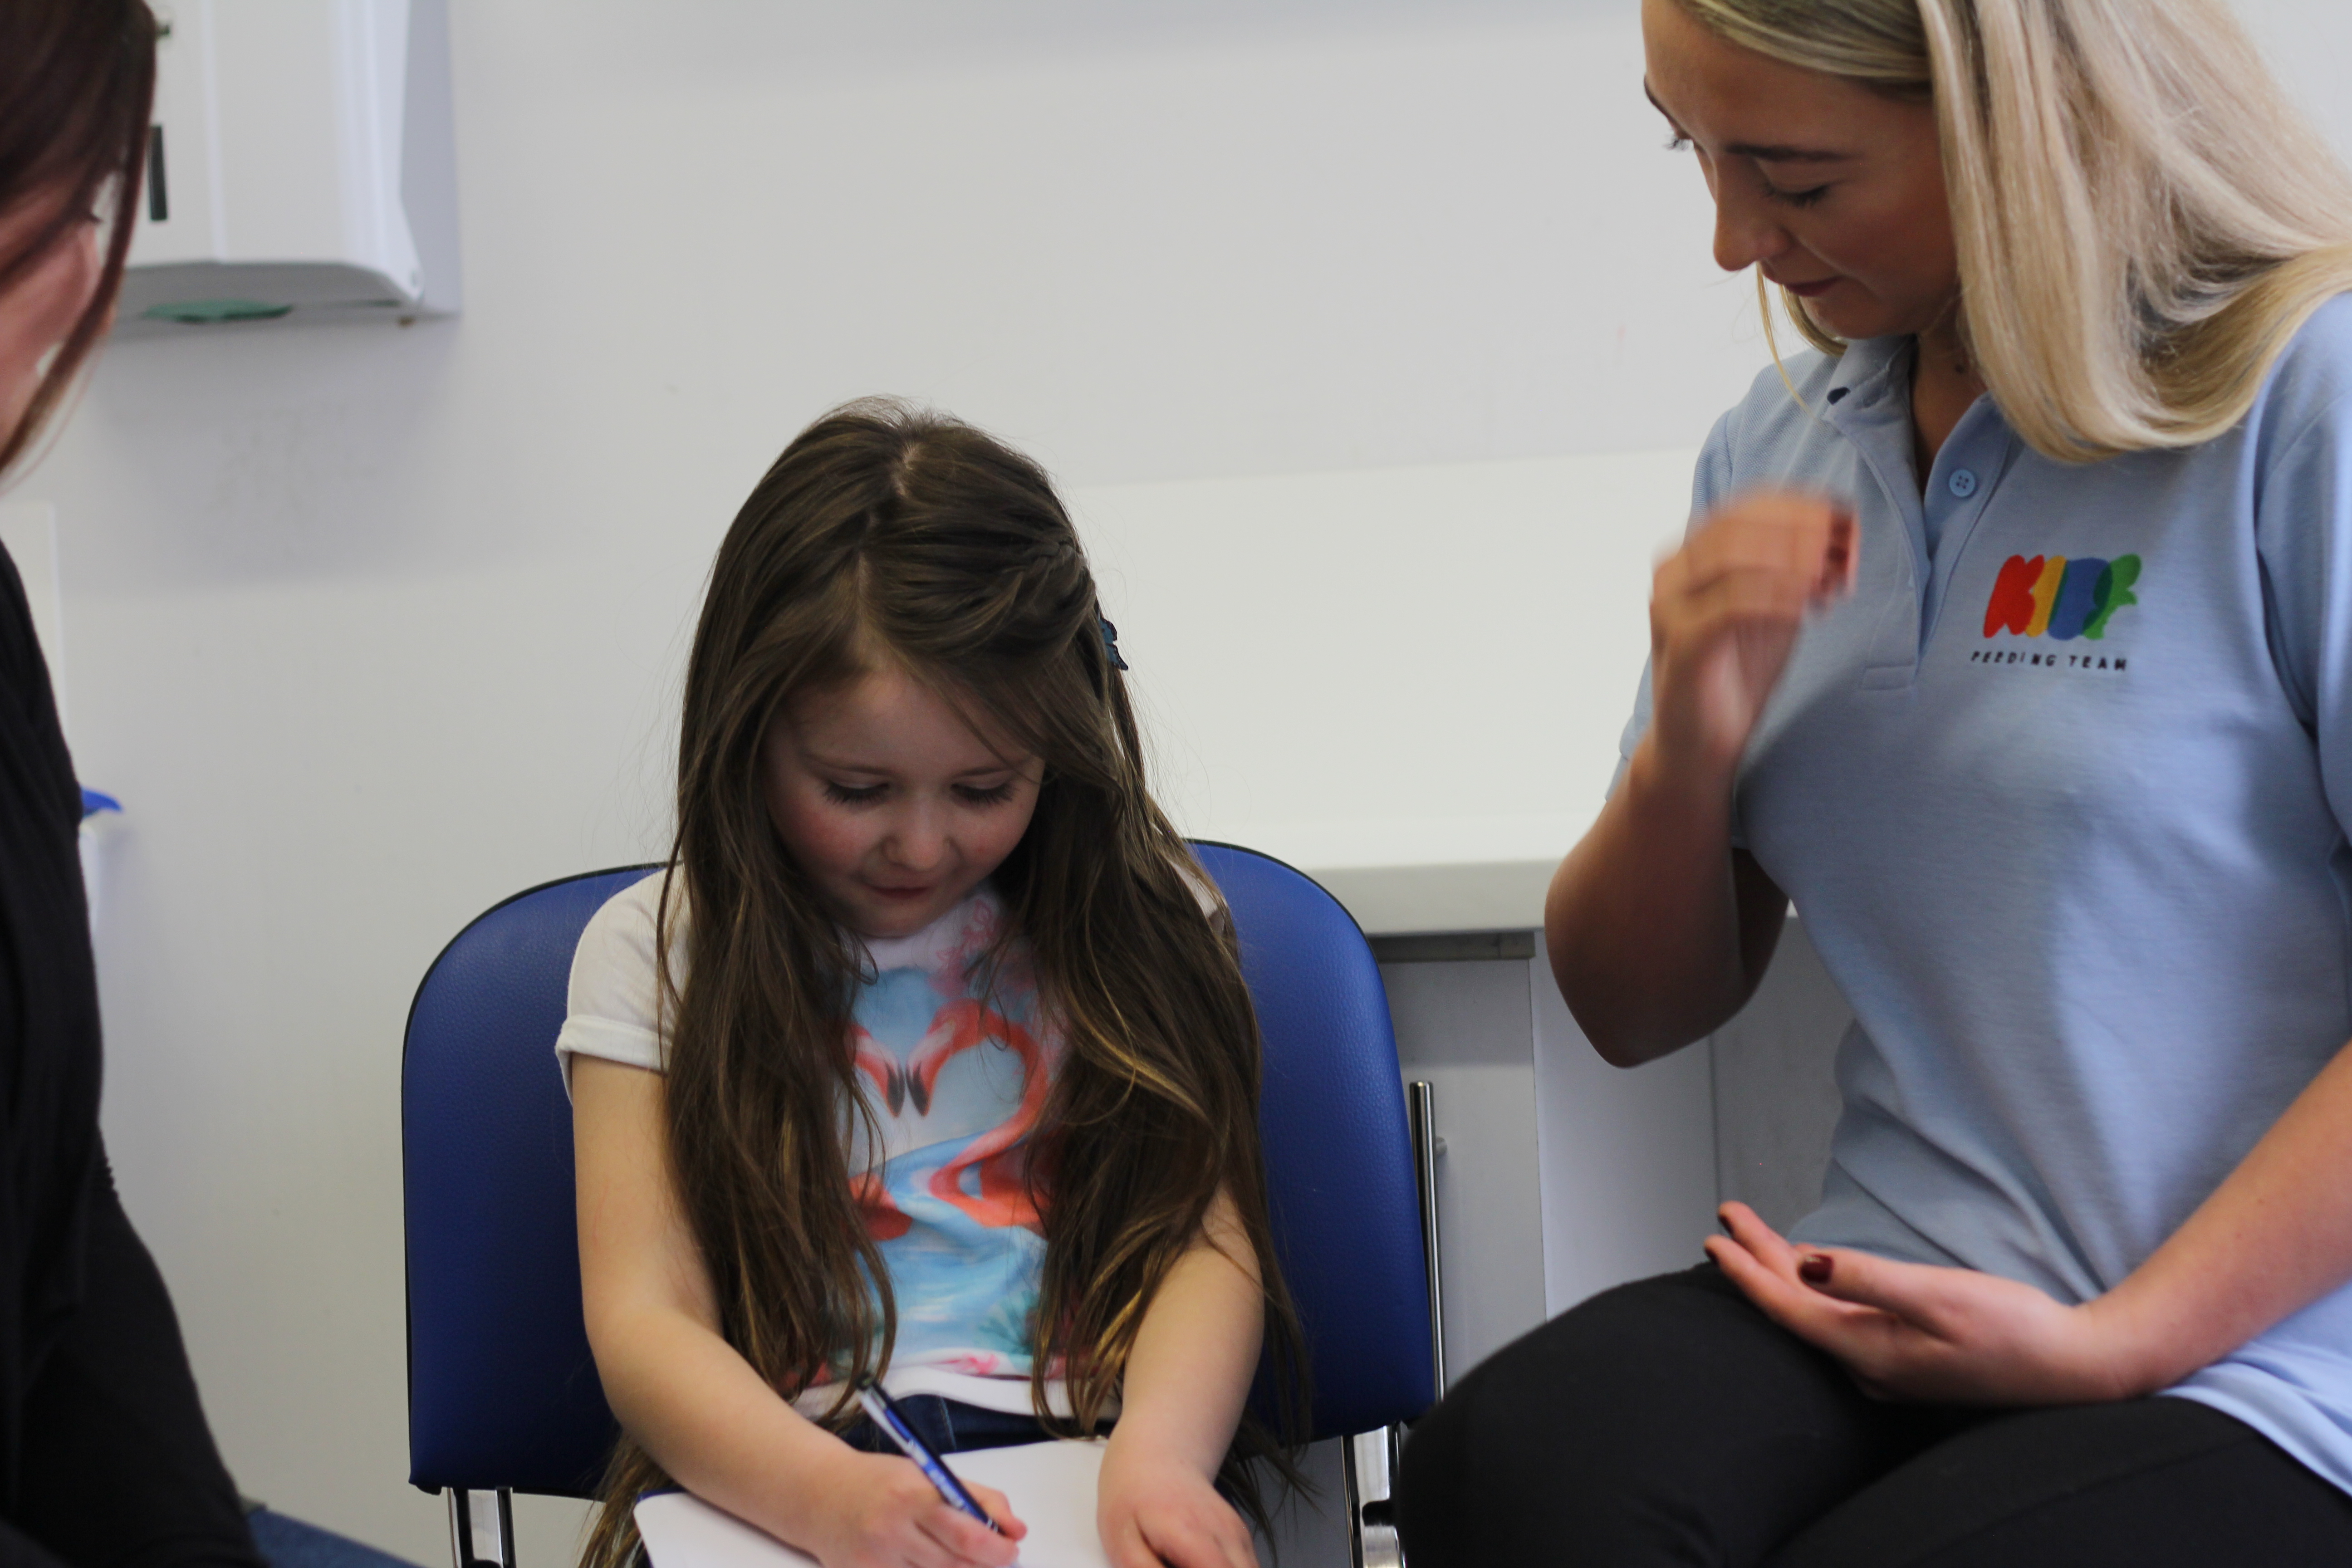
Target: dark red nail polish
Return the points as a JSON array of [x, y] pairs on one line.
[[1814, 1267]]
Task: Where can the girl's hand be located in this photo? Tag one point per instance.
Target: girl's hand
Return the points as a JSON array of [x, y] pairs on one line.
[[1724, 613], [881, 1513], [1907, 1330], [1156, 1510]]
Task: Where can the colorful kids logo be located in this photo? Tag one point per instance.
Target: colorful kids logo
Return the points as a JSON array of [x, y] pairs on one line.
[[2067, 599]]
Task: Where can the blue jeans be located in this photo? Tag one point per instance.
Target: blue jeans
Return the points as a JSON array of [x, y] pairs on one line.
[[950, 1426]]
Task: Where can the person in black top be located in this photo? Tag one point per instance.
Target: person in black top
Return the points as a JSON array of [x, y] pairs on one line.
[[105, 1460]]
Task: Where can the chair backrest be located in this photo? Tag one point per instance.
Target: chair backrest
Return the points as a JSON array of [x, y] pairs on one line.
[[1339, 1151], [502, 1391]]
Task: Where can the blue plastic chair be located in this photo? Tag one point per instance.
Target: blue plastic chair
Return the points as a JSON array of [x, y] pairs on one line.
[[502, 1391]]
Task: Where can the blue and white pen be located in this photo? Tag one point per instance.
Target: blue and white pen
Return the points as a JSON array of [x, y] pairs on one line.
[[884, 1413]]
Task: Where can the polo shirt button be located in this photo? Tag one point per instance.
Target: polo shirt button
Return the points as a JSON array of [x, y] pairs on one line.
[[1963, 482]]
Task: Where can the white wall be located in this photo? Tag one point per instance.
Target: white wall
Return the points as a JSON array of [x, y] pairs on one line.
[[370, 627], [1321, 679]]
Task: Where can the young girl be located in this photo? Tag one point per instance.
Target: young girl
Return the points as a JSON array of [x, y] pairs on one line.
[[929, 1057]]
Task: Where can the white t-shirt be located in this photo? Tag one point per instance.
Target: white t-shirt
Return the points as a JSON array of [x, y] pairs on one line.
[[957, 1062]]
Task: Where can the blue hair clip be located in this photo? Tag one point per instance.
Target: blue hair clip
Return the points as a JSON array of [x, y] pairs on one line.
[[1110, 643]]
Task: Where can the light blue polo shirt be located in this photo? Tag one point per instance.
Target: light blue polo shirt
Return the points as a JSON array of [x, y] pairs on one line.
[[2063, 803]]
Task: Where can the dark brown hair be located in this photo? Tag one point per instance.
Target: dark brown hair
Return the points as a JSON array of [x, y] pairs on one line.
[[77, 86], [886, 532]]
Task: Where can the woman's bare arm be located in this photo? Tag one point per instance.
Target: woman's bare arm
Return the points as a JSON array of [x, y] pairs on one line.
[[1657, 929]]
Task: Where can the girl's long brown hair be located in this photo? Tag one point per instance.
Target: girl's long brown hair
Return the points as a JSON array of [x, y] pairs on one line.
[[888, 532]]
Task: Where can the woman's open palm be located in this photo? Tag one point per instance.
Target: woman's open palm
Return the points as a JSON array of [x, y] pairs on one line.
[[1910, 1331]]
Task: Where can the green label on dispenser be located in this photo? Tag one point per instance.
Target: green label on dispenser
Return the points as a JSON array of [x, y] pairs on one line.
[[204, 312]]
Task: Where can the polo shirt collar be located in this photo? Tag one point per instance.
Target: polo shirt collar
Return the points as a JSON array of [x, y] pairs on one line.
[[1869, 373], [1869, 402]]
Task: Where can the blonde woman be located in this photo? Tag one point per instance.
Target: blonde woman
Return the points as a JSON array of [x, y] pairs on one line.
[[2012, 641]]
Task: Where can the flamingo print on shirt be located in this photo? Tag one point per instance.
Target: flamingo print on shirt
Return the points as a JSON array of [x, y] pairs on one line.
[[956, 1063]]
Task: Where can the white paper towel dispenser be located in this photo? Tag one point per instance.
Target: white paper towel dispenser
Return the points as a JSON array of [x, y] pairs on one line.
[[302, 166]]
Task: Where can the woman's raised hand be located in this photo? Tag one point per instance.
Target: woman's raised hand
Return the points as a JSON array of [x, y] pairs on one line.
[[1910, 1331], [1724, 613], [880, 1512]]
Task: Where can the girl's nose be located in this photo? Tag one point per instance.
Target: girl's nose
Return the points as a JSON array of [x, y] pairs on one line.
[[918, 839]]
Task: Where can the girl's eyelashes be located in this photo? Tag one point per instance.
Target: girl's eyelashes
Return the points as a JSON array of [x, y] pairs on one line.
[[867, 795], [1676, 142]]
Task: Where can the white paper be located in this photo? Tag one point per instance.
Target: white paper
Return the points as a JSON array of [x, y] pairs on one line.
[[1051, 1485]]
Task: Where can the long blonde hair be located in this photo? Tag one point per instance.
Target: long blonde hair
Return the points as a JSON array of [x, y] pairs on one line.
[[2143, 221]]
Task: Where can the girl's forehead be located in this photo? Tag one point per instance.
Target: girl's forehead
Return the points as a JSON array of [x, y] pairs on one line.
[[888, 713]]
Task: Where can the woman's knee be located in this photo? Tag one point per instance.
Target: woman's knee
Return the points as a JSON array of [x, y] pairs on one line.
[[1548, 1433], [1662, 1421]]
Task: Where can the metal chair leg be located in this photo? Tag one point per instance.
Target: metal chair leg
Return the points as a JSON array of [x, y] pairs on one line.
[[481, 1528], [1369, 1460]]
